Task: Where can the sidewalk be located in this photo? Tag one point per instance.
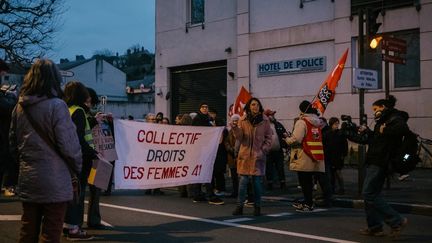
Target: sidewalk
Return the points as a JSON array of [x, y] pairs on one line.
[[412, 195]]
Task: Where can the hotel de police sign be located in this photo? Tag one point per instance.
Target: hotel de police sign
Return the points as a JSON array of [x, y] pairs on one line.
[[294, 66]]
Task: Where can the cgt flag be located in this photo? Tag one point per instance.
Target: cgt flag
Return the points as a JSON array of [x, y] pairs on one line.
[[327, 90], [243, 97]]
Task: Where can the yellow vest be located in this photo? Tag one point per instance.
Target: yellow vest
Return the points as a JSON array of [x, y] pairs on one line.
[[88, 137]]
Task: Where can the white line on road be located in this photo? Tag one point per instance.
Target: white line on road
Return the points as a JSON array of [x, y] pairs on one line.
[[210, 221], [236, 220], [10, 217], [280, 214]]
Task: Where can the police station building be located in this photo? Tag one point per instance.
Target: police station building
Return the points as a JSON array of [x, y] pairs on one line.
[[282, 51]]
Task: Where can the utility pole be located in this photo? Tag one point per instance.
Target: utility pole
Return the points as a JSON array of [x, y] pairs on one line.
[[361, 64]]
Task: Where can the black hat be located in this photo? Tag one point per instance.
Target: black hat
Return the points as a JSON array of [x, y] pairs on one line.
[[306, 107], [203, 103]]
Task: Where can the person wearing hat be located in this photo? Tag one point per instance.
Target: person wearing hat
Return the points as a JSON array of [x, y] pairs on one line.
[[275, 157], [307, 154], [203, 119]]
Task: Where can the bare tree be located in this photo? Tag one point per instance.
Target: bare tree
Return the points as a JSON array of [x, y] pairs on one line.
[[27, 28]]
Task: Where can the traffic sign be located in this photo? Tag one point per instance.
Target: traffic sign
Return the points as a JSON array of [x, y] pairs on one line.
[[66, 73], [393, 59], [365, 78], [394, 44]]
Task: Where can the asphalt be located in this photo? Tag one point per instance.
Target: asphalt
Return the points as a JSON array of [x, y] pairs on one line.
[[412, 195]]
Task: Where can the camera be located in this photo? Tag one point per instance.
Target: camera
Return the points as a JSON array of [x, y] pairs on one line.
[[347, 123]]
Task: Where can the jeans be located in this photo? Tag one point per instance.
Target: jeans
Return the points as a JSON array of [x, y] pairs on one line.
[[48, 215], [257, 186], [377, 210]]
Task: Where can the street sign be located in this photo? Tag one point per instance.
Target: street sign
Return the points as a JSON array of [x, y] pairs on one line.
[[66, 73], [394, 44], [365, 78], [393, 59]]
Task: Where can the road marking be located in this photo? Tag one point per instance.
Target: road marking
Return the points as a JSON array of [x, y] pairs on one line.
[[102, 222], [211, 221], [280, 214], [10, 217], [236, 220]]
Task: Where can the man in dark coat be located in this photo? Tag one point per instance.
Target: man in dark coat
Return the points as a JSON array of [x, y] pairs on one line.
[[203, 119]]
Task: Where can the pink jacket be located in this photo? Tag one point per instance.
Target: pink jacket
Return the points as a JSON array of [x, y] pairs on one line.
[[255, 143]]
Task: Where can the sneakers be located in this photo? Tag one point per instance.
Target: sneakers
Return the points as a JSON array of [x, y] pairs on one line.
[[216, 201], [304, 208], [395, 232], [403, 177], [372, 232], [9, 192], [219, 193], [249, 203], [76, 234]]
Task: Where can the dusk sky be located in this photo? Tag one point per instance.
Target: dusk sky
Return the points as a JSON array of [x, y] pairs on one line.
[[94, 25]]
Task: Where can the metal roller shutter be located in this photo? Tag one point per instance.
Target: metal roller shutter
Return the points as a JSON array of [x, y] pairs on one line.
[[191, 85]]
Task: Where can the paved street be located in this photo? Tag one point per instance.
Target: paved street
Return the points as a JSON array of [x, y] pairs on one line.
[[136, 217]]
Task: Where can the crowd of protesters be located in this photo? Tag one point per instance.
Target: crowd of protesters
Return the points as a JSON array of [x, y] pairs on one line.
[[253, 148]]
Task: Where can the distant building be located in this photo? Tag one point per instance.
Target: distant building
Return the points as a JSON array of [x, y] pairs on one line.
[[108, 81]]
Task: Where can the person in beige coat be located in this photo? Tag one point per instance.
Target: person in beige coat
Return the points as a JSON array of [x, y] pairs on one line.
[[300, 160], [255, 136]]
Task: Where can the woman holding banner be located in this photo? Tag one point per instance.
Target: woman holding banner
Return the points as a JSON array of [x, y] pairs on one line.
[[76, 97], [255, 136]]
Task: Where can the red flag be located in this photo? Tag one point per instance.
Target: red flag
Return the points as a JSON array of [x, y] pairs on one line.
[[327, 90], [243, 97]]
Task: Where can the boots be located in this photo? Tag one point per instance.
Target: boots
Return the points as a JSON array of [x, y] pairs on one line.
[[238, 210], [257, 211]]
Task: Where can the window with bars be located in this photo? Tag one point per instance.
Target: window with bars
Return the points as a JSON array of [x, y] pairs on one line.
[[196, 11]]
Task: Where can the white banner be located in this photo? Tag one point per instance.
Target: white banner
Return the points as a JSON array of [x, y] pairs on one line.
[[156, 155]]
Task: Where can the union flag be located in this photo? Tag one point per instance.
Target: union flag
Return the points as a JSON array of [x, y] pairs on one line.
[[327, 90], [243, 97]]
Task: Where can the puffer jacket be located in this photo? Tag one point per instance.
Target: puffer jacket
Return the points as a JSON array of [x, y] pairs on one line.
[[255, 143], [299, 160], [43, 175]]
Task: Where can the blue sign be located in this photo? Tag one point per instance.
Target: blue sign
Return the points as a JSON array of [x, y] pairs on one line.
[[301, 65]]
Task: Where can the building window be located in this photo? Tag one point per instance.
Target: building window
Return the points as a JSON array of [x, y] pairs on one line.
[[408, 75], [401, 76], [196, 11]]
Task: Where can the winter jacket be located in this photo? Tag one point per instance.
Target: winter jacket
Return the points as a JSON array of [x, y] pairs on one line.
[[44, 176], [299, 160], [383, 146], [335, 147], [201, 120], [255, 143]]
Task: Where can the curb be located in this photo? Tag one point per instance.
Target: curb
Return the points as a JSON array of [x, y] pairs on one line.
[[418, 209]]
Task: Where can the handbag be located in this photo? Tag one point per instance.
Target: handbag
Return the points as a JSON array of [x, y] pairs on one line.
[[76, 185]]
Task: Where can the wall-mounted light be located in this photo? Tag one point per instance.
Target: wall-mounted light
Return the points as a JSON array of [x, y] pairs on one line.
[[228, 50], [231, 74]]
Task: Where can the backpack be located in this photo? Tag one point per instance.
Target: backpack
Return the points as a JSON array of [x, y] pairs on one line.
[[407, 156]]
